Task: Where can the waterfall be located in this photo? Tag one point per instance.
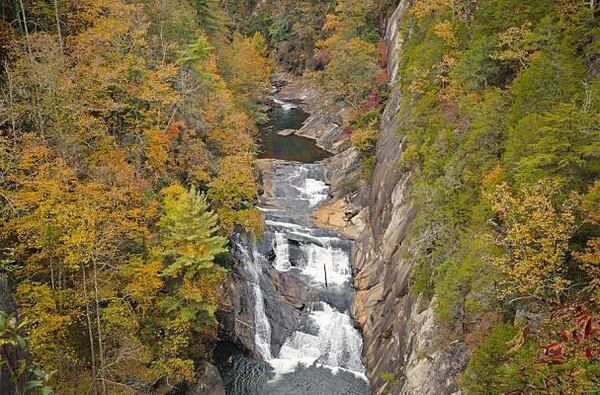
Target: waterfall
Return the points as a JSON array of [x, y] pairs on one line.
[[315, 191], [282, 252], [315, 266], [285, 105], [335, 343], [262, 328], [262, 331], [326, 265]]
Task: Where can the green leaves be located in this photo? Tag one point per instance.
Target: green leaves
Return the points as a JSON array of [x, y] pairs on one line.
[[189, 233], [26, 376], [195, 54], [351, 71], [555, 76], [189, 244], [563, 143]]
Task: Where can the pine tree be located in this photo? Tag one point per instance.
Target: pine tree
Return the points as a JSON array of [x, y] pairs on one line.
[[206, 16], [189, 238]]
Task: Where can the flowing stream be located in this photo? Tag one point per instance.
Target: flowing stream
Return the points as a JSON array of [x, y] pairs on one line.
[[299, 279]]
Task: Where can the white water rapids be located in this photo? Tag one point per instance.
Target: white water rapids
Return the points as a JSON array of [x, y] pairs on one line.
[[319, 351], [333, 341]]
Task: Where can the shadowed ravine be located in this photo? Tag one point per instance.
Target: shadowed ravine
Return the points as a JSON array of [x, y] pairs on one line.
[[312, 348]]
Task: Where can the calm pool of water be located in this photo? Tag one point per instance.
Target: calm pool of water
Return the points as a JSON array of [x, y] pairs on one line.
[[292, 148]]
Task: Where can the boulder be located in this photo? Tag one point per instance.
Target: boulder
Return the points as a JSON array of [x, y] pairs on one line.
[[209, 381]]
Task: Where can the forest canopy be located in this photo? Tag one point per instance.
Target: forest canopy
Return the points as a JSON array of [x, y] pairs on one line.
[[126, 136]]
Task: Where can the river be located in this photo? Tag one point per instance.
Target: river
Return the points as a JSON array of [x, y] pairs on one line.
[[299, 279]]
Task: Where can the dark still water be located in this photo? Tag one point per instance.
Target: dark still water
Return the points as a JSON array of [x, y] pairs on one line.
[[292, 148]]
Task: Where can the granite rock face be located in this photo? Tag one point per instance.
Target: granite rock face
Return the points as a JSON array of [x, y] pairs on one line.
[[398, 337]]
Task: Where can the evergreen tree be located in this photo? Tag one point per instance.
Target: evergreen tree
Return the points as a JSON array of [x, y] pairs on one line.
[[190, 241], [205, 10]]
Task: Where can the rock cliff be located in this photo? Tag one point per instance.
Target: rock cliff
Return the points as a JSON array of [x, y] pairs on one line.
[[401, 342]]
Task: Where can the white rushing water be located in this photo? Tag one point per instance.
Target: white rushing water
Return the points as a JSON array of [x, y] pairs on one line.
[[321, 334], [282, 252], [326, 265], [336, 344], [284, 104], [332, 340], [316, 191], [262, 327]]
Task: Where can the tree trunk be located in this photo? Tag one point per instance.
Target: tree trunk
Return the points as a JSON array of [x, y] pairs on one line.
[[25, 27], [89, 325], [100, 349], [11, 101], [58, 30]]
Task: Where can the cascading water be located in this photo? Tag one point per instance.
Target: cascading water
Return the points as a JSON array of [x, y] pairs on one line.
[[299, 277], [281, 248]]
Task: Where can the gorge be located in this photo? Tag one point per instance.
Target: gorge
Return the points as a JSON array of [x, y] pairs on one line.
[[283, 197], [293, 285]]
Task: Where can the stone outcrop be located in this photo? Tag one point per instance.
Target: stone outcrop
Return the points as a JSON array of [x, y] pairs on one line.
[[327, 117], [209, 381], [400, 341]]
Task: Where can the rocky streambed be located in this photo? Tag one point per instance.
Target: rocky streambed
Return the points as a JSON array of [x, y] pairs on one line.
[[289, 329]]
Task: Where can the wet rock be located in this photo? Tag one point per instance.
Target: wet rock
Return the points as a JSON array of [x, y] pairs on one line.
[[286, 132], [209, 381], [301, 90], [292, 286], [327, 117], [236, 316]]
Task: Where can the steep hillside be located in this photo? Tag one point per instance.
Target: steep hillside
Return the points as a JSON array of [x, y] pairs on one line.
[[479, 249]]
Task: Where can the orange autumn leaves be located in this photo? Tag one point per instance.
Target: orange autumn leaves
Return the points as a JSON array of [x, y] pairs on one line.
[[126, 159]]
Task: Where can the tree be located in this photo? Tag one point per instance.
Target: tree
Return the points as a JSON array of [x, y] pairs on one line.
[[234, 193], [554, 76], [245, 67], [88, 137], [189, 241], [351, 71], [562, 143], [25, 375], [189, 245], [533, 233]]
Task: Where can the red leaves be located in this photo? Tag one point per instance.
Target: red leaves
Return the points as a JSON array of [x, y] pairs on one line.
[[583, 316], [579, 337], [174, 128], [554, 353], [589, 331], [564, 335], [588, 353], [373, 101]]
